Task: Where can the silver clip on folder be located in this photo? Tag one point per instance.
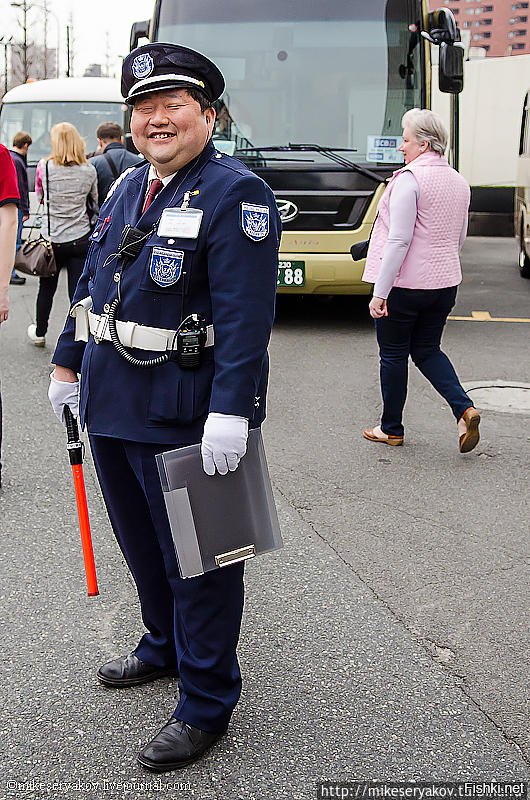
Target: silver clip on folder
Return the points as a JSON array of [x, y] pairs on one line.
[[217, 520]]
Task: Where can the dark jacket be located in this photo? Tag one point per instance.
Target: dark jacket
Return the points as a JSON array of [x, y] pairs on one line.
[[22, 178], [228, 273], [122, 160]]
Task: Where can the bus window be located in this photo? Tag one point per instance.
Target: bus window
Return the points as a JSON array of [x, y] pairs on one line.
[[39, 117], [335, 73]]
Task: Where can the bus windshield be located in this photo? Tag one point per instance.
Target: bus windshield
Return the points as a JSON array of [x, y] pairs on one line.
[[337, 74], [38, 117]]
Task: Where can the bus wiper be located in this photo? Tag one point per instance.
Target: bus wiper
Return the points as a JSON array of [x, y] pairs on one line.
[[329, 152]]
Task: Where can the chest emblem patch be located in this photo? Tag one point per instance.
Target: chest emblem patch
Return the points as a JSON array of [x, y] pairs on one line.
[[255, 221], [166, 266]]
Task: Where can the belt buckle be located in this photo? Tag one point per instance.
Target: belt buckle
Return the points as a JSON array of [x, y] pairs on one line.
[[101, 328]]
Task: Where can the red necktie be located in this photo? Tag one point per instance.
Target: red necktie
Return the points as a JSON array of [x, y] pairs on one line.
[[154, 187]]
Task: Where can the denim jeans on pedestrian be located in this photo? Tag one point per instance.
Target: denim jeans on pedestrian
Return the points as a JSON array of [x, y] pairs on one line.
[[19, 230], [19, 238], [414, 326]]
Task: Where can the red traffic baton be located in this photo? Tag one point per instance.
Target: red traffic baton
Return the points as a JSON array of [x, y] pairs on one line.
[[75, 451]]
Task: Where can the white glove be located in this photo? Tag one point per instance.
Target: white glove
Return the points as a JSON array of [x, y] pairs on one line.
[[61, 394], [224, 442]]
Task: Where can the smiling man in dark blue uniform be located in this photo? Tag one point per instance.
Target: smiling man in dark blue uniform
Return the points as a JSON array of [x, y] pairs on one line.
[[187, 241]]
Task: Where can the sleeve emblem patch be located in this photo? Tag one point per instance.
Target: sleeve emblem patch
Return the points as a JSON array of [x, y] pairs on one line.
[[255, 221]]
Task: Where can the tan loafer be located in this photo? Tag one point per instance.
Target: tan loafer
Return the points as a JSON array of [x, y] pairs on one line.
[[469, 440], [373, 435]]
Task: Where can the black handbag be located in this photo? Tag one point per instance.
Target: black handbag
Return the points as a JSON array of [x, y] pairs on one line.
[[359, 250], [36, 256]]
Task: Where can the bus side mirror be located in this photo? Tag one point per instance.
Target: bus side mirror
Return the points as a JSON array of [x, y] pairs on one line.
[[442, 27], [451, 69], [139, 30], [443, 33]]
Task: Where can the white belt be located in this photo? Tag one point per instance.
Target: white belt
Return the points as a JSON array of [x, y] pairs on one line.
[[131, 334]]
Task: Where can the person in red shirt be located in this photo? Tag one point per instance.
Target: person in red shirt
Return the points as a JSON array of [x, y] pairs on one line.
[[9, 202]]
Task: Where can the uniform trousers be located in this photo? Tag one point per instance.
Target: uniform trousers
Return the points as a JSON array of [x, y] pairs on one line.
[[192, 624], [414, 327]]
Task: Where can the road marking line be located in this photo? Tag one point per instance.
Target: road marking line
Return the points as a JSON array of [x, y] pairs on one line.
[[485, 316]]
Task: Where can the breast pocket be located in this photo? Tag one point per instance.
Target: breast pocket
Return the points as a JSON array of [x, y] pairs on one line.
[[95, 249], [169, 263]]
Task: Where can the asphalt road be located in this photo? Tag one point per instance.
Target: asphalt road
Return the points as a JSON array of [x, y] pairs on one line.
[[389, 640]]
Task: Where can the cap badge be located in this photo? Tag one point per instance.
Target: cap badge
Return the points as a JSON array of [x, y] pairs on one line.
[[142, 66]]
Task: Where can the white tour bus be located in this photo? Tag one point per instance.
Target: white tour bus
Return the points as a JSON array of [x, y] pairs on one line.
[[35, 107]]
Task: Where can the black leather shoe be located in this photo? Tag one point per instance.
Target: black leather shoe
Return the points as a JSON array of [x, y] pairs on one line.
[[130, 671], [176, 746], [17, 280]]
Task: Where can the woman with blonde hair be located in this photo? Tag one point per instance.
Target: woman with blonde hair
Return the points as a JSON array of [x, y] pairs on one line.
[[413, 262], [65, 181]]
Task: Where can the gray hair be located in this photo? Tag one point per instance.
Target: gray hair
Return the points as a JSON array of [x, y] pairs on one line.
[[427, 126]]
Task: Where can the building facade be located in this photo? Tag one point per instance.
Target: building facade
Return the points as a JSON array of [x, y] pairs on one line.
[[31, 62], [500, 27]]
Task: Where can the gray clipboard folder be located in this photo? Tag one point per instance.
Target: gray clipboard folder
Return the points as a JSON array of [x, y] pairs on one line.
[[217, 520]]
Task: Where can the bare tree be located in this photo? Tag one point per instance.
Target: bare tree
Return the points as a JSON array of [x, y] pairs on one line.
[[108, 52], [44, 9], [25, 45]]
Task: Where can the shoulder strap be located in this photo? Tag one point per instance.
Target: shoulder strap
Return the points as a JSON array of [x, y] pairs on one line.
[[33, 224], [111, 164], [48, 196]]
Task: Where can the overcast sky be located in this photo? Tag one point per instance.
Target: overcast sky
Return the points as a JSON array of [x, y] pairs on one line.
[[92, 20]]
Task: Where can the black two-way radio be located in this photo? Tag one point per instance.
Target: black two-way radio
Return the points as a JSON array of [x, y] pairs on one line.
[[131, 242], [191, 338]]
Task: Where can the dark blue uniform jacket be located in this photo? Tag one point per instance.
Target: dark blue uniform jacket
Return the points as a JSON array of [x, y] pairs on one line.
[[227, 276]]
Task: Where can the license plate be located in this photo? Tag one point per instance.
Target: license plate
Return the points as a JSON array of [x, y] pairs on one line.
[[291, 273]]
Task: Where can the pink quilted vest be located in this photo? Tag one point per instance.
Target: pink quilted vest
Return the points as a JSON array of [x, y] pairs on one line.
[[432, 261]]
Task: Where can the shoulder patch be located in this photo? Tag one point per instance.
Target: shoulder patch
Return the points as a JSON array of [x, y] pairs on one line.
[[254, 221]]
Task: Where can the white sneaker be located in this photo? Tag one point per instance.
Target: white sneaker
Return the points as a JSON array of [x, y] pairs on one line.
[[38, 341]]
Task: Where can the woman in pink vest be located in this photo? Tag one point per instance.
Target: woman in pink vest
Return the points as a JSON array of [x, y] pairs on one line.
[[413, 261]]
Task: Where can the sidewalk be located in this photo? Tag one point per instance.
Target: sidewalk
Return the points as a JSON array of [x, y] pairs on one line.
[[335, 687]]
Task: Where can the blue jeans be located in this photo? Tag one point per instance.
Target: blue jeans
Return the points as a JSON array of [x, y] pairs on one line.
[[414, 326], [19, 230], [19, 237]]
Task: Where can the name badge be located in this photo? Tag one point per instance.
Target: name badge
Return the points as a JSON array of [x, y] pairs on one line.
[[180, 223]]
